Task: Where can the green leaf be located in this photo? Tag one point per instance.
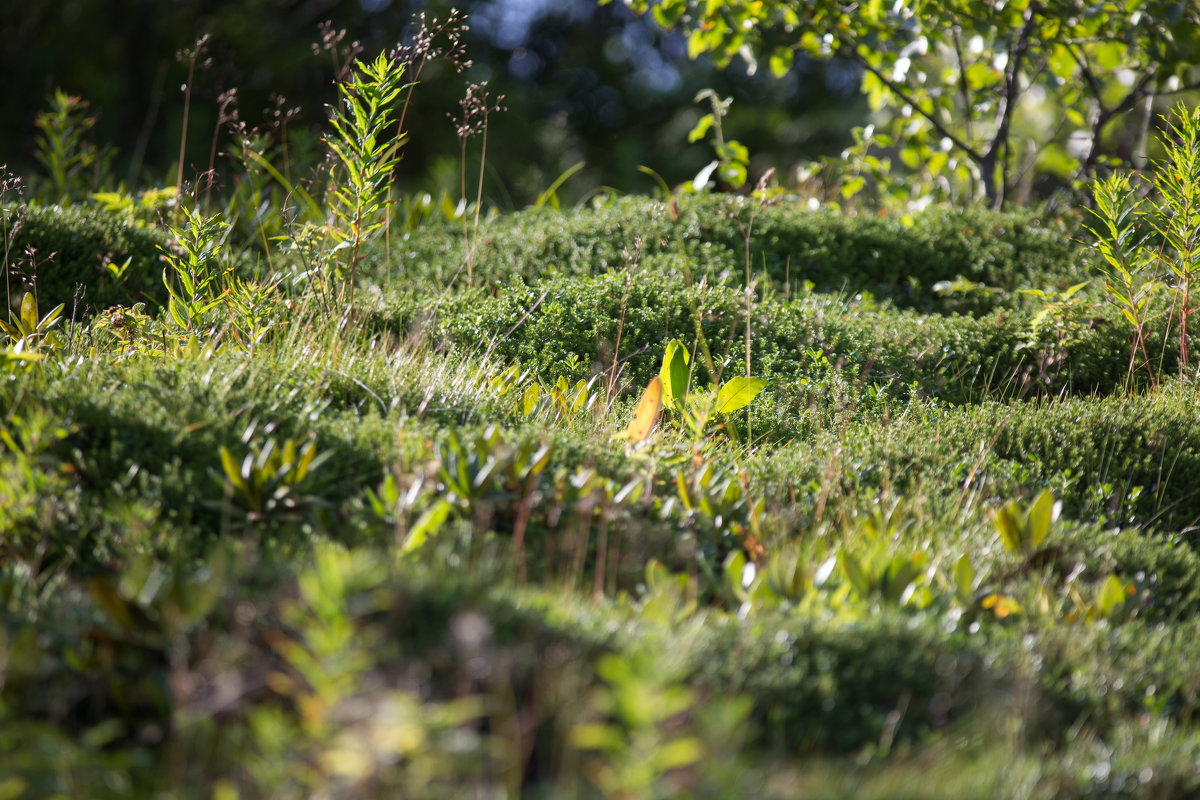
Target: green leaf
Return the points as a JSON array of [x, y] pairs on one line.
[[233, 471], [781, 61], [551, 194], [734, 174], [738, 393], [1042, 514], [853, 186], [855, 574], [426, 525], [734, 569], [1010, 529], [674, 375], [595, 736], [529, 400], [702, 127], [29, 313], [679, 753], [1112, 596], [964, 579]]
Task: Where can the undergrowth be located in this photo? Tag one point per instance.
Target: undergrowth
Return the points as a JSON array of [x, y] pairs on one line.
[[349, 497]]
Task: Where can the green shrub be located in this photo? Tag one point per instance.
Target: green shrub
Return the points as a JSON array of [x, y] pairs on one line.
[[788, 244], [73, 244], [811, 348]]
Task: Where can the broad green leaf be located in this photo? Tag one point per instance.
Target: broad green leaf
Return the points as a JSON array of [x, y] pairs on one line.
[[29, 313], [656, 575], [1110, 55], [853, 186], [734, 174], [529, 400], [734, 569], [596, 736], [232, 471], [1009, 527], [855, 574], [579, 396], [1112, 596], [674, 375], [104, 592], [738, 393], [428, 524], [679, 753], [1042, 514], [964, 578], [733, 150]]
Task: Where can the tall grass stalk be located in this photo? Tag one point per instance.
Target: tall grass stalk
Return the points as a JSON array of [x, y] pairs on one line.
[[191, 56], [475, 107]]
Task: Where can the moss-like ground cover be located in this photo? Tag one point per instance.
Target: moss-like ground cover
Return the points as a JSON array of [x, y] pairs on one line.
[[416, 550]]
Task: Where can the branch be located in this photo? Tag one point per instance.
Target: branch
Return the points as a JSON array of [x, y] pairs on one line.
[[962, 81], [1090, 78], [900, 92], [1012, 77], [1177, 90], [1106, 115]]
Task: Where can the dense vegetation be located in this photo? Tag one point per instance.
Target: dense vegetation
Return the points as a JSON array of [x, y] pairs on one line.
[[308, 490]]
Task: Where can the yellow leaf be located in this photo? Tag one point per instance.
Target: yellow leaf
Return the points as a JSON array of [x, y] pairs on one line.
[[646, 416]]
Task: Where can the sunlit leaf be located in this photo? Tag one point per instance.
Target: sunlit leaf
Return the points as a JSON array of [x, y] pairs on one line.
[[646, 416], [738, 393]]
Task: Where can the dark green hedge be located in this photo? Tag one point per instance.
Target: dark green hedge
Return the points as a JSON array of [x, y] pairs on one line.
[[788, 243], [72, 245]]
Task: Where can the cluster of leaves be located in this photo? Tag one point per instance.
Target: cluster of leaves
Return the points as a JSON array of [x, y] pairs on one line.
[[963, 93]]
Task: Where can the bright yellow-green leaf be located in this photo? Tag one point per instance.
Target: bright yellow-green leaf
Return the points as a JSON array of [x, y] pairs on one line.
[[964, 578], [853, 186], [702, 127], [1042, 513], [1112, 596], [738, 393], [594, 736], [530, 399], [781, 61], [679, 753], [1010, 529], [29, 313], [232, 470], [426, 525], [854, 573], [674, 375]]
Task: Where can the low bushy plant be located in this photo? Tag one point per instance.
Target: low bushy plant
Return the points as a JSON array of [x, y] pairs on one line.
[[790, 244], [86, 259]]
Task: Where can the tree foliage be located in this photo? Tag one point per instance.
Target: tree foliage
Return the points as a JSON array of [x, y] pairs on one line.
[[975, 98]]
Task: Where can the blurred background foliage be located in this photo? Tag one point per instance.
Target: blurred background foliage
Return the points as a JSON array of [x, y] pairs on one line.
[[580, 83]]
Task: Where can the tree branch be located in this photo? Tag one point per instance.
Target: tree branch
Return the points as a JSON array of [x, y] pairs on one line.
[[1012, 79], [900, 92], [962, 80]]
